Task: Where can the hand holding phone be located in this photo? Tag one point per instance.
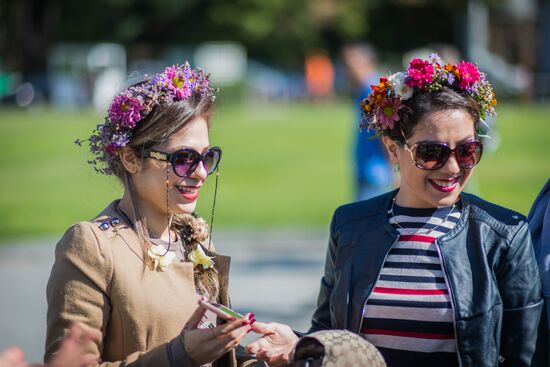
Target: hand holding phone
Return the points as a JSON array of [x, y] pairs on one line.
[[221, 310]]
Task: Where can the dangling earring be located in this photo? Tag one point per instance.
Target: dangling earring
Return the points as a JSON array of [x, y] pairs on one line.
[[168, 214], [213, 207], [395, 167]]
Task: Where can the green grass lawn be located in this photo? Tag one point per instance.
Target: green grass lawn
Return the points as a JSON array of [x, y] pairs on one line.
[[283, 166]]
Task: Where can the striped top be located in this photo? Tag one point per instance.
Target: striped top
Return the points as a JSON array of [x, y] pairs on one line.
[[409, 315]]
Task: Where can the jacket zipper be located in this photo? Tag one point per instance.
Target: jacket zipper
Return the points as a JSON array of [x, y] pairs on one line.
[[451, 296], [377, 279]]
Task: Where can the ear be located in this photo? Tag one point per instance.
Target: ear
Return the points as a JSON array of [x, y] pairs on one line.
[[391, 148], [129, 160]]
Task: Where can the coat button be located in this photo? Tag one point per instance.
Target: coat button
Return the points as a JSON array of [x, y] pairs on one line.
[[104, 226], [115, 221]]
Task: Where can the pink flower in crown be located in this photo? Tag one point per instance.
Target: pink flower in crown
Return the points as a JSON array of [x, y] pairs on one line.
[[420, 73], [388, 112], [125, 111], [177, 83], [468, 74]]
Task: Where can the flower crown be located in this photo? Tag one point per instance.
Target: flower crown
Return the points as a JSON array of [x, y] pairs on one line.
[[132, 105], [381, 107]]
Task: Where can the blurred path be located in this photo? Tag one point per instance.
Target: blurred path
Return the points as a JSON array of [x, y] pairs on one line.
[[274, 274]]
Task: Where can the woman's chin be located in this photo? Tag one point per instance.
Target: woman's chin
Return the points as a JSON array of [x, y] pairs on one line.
[[187, 208]]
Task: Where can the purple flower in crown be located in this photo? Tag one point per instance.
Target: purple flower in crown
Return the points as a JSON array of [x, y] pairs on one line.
[[450, 78], [178, 82], [125, 110]]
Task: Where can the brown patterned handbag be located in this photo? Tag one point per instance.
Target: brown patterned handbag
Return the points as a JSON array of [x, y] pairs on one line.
[[336, 348]]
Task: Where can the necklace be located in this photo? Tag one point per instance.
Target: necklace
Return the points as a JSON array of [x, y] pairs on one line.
[[131, 224], [416, 232]]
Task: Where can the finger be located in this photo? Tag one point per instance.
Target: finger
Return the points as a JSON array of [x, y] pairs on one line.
[[261, 328], [276, 360], [230, 326], [240, 333], [93, 335], [13, 355], [195, 318], [250, 317], [261, 355], [79, 331], [88, 359], [253, 347]]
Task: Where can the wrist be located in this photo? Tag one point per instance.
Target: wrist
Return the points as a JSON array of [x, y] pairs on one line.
[[178, 354]]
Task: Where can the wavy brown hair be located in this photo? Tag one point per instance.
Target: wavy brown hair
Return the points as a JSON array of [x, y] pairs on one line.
[[163, 121]]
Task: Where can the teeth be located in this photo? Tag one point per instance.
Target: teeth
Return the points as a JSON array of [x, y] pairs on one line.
[[185, 190], [445, 183]]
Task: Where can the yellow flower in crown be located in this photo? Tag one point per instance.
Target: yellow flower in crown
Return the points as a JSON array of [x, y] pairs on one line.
[[160, 258], [198, 257]]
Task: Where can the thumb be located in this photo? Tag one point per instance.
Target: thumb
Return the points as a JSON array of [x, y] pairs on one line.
[[195, 318]]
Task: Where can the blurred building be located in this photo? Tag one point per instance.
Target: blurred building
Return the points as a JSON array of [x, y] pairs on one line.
[[510, 39]]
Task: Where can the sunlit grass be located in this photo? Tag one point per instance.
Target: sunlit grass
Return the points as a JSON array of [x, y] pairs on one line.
[[283, 166]]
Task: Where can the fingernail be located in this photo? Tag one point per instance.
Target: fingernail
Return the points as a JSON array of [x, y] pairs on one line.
[[251, 316], [252, 321]]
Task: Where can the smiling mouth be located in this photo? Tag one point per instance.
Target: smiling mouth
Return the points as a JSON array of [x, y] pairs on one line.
[[188, 193], [444, 185]]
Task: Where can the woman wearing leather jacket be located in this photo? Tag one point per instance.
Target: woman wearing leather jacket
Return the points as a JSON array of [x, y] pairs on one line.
[[428, 274]]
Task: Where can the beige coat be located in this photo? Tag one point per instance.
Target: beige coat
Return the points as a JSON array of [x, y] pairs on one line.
[[99, 279]]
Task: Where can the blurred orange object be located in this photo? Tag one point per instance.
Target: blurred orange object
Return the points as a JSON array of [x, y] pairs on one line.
[[319, 74]]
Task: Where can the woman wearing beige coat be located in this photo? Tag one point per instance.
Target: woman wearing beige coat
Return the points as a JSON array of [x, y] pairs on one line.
[[136, 271]]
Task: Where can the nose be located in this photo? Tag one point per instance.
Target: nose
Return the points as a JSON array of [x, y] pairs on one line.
[[200, 172], [451, 165]]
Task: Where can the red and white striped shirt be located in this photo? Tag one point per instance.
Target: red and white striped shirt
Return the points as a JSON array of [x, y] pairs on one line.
[[409, 315]]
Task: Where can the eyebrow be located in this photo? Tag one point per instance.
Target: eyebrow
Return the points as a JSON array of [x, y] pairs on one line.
[[472, 138], [188, 147]]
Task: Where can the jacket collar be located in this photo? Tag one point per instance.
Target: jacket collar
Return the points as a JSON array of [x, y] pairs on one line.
[[114, 223], [385, 204]]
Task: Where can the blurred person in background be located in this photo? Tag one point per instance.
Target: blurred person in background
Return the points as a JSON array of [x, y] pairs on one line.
[[430, 275], [72, 352], [539, 223], [135, 272], [373, 174]]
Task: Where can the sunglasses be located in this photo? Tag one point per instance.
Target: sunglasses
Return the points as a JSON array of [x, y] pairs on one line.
[[433, 156], [185, 161]]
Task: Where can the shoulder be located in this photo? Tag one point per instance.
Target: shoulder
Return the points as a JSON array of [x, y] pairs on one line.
[[361, 210], [542, 202], [93, 236], [506, 222]]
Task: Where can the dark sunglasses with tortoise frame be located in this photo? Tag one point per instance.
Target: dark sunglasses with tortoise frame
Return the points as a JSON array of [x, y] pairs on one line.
[[432, 156], [185, 161]]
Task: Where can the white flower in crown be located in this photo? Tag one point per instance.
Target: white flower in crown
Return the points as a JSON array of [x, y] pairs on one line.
[[397, 81], [160, 258], [198, 257]]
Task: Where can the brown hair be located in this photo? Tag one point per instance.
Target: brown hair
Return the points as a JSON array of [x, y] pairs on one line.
[[425, 102], [163, 121]]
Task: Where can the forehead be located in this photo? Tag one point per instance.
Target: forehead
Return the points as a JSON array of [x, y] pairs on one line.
[[446, 126], [194, 134]]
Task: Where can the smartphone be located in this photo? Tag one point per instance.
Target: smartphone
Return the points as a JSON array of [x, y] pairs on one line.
[[221, 310]]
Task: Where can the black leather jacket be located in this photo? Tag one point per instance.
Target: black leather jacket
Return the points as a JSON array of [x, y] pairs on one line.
[[489, 264]]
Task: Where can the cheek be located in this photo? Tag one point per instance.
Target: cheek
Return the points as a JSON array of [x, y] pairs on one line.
[[466, 174], [150, 182]]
